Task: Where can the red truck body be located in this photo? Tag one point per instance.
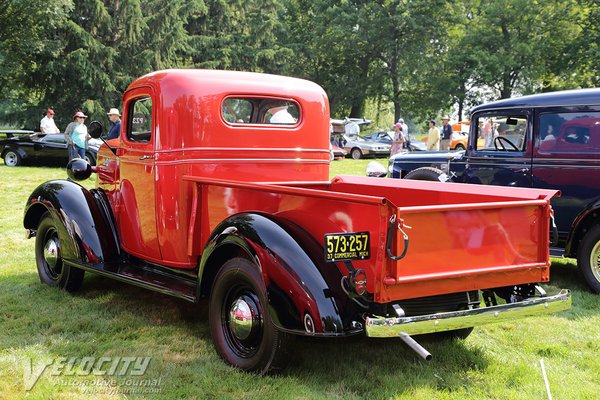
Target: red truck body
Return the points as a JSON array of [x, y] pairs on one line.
[[206, 194]]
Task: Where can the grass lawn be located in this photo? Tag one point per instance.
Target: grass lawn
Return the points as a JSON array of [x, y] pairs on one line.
[[111, 319]]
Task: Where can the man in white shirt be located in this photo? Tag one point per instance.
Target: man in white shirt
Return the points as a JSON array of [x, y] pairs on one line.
[[47, 124], [404, 131]]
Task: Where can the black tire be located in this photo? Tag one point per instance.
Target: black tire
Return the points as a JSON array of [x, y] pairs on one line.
[[48, 257], [356, 153], [459, 147], [257, 346], [12, 158], [90, 158], [427, 174], [588, 258]]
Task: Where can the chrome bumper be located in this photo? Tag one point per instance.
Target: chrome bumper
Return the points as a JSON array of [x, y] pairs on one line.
[[393, 327]]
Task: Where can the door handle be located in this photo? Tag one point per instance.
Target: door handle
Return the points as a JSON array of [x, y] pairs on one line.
[[146, 157]]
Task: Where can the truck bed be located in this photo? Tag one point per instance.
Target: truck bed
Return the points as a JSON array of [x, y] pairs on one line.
[[458, 237]]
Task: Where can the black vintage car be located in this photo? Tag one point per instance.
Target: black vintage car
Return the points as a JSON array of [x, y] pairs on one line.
[[548, 141], [40, 148]]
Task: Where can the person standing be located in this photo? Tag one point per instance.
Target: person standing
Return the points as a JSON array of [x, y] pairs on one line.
[[79, 136], [68, 132], [398, 139], [115, 123], [404, 131], [47, 124], [446, 133], [433, 137]]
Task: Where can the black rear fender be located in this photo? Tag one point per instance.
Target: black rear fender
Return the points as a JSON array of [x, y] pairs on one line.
[[300, 299]]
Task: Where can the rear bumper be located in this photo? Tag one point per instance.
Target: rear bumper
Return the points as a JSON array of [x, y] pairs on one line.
[[392, 327]]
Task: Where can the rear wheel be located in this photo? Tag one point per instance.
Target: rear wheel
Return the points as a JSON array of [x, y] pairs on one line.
[[12, 158], [89, 157], [588, 258], [356, 154], [427, 174], [48, 256], [459, 147], [241, 328]]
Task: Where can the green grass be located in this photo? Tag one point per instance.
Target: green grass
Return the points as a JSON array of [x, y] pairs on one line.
[[108, 318]]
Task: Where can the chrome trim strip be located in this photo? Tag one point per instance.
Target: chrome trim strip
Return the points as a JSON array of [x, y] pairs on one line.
[[393, 327]]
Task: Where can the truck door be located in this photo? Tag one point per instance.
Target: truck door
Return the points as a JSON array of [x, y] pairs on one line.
[[137, 211], [567, 151], [500, 148]]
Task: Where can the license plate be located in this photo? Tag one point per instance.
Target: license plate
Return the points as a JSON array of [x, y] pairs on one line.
[[347, 246]]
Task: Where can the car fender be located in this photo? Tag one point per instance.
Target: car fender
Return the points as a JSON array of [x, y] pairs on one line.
[[83, 220], [17, 149], [300, 300], [584, 221]]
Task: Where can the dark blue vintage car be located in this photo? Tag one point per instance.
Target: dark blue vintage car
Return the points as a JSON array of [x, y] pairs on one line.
[[40, 148], [549, 140]]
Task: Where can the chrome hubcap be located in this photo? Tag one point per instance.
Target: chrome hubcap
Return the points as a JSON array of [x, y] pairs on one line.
[[595, 261], [51, 252], [241, 319], [10, 159]]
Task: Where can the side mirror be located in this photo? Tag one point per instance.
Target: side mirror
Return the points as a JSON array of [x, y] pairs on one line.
[[375, 169], [95, 130], [78, 169]]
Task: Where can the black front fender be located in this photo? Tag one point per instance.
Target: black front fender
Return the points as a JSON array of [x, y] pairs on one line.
[[83, 220], [300, 299]]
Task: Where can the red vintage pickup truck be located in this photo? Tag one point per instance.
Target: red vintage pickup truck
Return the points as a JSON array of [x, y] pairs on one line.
[[218, 188]]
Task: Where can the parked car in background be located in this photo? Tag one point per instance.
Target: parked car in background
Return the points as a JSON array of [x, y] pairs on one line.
[[549, 141], [387, 138], [40, 148], [346, 135]]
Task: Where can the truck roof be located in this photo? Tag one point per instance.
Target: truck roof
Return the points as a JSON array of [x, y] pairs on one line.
[[575, 97], [199, 82]]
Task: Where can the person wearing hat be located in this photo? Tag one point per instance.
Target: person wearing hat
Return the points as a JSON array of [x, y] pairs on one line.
[[398, 139], [404, 131], [115, 123], [79, 136], [433, 137], [446, 133], [47, 124]]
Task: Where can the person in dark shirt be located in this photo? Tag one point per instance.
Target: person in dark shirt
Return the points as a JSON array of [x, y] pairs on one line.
[[115, 123], [446, 134]]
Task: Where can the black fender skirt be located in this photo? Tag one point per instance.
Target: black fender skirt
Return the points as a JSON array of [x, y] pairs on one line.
[[300, 299], [83, 219]]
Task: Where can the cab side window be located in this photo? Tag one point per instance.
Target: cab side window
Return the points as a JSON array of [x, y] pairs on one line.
[[577, 132], [501, 132], [140, 120]]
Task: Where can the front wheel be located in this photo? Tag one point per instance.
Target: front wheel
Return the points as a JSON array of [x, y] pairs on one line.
[[48, 256], [427, 174], [588, 258], [241, 328], [12, 158], [356, 154], [459, 147]]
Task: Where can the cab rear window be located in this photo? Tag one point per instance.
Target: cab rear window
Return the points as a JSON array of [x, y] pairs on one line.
[[260, 111]]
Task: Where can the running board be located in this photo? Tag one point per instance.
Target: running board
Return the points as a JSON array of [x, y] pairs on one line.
[[156, 279]]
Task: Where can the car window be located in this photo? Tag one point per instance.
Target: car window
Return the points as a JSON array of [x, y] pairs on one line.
[[577, 132], [140, 120], [55, 139], [501, 132], [265, 111]]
